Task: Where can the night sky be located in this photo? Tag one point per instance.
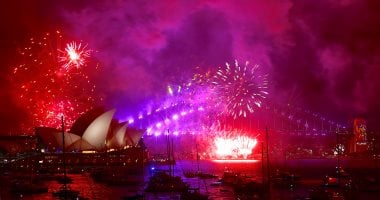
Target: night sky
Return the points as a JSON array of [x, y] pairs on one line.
[[323, 56]]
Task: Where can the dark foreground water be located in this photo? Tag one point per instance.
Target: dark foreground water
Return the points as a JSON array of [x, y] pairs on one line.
[[310, 170]]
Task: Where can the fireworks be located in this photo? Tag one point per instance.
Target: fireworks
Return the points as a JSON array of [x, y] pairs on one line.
[[240, 146], [241, 89], [47, 92], [232, 143], [74, 55], [193, 108], [234, 91]]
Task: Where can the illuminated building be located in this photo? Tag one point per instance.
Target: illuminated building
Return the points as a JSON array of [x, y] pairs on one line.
[[99, 135]]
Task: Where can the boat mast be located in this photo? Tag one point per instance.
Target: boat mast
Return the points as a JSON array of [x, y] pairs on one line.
[[168, 152], [262, 163], [196, 146], [268, 168], [172, 157], [63, 156]]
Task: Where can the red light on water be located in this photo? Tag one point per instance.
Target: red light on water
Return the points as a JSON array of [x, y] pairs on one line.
[[236, 161]]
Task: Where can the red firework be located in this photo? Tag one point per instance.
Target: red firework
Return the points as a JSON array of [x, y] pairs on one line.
[[46, 90], [233, 144]]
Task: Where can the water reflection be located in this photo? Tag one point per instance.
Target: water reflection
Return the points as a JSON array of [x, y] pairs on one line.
[[309, 171]]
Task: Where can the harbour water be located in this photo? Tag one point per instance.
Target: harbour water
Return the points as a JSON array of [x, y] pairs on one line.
[[310, 172], [91, 189]]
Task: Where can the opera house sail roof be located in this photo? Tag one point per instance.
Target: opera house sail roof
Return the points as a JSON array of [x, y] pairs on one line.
[[94, 136]]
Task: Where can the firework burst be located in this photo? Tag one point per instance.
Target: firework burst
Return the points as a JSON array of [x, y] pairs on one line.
[[240, 146], [233, 144], [241, 89], [45, 90], [74, 55]]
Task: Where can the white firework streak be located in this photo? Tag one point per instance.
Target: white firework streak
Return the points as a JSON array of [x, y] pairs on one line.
[[74, 55], [240, 88]]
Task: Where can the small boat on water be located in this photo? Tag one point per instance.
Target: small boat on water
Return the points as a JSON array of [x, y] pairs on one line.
[[66, 192], [283, 179], [163, 182], [201, 175], [250, 190], [216, 183], [231, 178], [339, 179], [329, 181], [162, 159]]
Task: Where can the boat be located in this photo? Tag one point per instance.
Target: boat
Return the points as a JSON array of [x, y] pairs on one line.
[[28, 183], [283, 179], [231, 178], [329, 181], [250, 190], [339, 179], [160, 159], [164, 182], [216, 183], [65, 192], [203, 175], [199, 173], [323, 193]]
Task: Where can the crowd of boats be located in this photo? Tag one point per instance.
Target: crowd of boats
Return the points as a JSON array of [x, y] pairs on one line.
[[339, 184], [30, 180]]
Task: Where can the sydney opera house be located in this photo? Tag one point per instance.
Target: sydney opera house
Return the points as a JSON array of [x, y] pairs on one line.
[[95, 138], [95, 131]]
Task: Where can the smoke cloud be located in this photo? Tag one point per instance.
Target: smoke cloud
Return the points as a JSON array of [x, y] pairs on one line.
[[320, 55]]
